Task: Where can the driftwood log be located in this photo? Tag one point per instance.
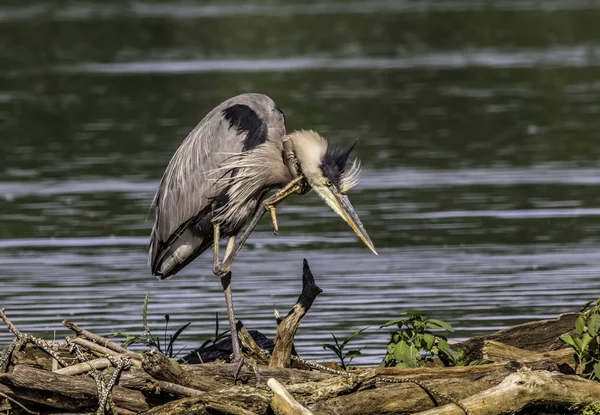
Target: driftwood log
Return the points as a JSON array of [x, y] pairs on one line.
[[530, 365]]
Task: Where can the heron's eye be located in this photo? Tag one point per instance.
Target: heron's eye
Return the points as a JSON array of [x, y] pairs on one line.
[[328, 183]]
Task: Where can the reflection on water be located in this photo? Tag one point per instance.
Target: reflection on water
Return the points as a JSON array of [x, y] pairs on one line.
[[477, 130]]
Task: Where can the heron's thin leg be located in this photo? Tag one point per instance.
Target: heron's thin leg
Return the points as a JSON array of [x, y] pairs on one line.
[[230, 245], [216, 236], [235, 343], [226, 284]]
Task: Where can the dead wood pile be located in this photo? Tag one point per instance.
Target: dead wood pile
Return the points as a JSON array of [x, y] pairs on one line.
[[90, 374]]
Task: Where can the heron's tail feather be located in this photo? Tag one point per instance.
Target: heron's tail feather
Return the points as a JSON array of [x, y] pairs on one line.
[[166, 259]]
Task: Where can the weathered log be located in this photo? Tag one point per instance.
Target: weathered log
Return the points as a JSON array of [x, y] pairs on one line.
[[160, 367], [239, 400], [65, 392], [223, 374], [311, 392], [527, 387], [539, 336], [548, 361], [286, 330], [406, 398]]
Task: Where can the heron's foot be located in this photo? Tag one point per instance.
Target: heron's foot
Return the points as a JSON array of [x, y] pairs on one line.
[[271, 209], [241, 362]]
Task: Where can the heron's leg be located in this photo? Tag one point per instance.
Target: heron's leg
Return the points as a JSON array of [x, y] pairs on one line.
[[217, 237], [226, 284], [235, 343], [230, 246]]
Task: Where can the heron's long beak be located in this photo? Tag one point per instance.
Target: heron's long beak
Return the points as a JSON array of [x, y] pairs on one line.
[[342, 206]]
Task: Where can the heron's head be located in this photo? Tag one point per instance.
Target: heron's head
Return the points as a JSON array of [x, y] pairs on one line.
[[328, 171]]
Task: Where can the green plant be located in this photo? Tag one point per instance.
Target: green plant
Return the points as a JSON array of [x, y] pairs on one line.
[[413, 343], [591, 409], [338, 349], [148, 339], [585, 341]]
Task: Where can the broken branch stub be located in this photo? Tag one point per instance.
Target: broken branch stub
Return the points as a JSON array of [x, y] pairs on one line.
[[286, 330]]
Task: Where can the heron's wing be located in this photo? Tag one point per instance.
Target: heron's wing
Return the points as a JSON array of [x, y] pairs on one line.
[[191, 180]]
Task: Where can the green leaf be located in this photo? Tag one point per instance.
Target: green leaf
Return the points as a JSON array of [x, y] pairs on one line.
[[330, 347], [445, 349], [443, 345], [392, 322], [585, 306], [336, 342], [567, 338], [480, 362], [594, 324], [429, 341], [597, 370], [580, 324], [435, 323], [352, 354], [414, 313], [585, 341], [174, 337], [406, 354], [352, 336]]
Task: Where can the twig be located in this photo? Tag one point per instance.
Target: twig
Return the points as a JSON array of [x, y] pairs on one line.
[[22, 338], [103, 351], [94, 337], [19, 404], [79, 368], [6, 353], [121, 363], [286, 330], [91, 346], [13, 329]]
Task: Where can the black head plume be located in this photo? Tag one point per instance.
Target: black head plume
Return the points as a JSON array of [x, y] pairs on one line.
[[335, 163]]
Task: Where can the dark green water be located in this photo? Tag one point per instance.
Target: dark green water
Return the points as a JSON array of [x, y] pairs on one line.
[[479, 136]]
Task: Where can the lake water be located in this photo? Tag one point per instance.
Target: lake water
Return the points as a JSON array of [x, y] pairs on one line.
[[478, 126]]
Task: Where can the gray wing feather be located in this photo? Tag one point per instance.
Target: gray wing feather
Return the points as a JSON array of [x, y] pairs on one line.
[[189, 180]]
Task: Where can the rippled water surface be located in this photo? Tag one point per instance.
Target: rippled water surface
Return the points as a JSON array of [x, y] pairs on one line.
[[478, 126]]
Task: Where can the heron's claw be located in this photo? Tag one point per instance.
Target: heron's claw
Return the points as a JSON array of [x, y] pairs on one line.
[[271, 209], [238, 368]]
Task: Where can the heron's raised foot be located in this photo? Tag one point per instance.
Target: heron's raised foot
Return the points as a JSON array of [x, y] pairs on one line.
[[240, 362], [270, 204]]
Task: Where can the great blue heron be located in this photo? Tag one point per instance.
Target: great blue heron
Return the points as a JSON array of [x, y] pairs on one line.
[[218, 184]]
